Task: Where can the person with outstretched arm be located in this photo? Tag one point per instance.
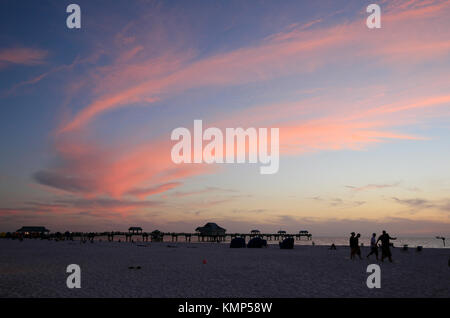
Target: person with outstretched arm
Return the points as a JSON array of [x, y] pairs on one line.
[[385, 246]]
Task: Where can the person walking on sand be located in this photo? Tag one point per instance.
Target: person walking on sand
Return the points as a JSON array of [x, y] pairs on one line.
[[353, 247], [357, 248], [373, 246], [385, 250]]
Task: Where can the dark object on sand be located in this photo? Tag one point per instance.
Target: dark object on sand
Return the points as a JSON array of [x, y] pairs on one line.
[[257, 242], [287, 244], [237, 242], [419, 248], [332, 247], [405, 247], [132, 267]]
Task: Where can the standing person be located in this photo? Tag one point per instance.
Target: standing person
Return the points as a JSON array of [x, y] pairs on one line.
[[352, 245], [373, 246], [357, 248], [385, 250]]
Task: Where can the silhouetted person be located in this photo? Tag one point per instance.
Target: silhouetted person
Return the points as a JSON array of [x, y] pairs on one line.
[[332, 247], [385, 244], [353, 245], [357, 248], [373, 246], [442, 238]]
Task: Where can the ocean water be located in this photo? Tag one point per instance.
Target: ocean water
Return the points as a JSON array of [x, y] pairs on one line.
[[412, 242]]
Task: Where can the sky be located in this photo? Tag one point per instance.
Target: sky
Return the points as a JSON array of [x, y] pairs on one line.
[[86, 115]]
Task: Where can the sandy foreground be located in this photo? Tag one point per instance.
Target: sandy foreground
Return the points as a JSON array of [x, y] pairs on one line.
[[35, 268]]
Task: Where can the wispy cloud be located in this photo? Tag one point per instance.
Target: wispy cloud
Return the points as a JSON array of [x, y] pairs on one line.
[[144, 192], [70, 205], [338, 202], [202, 191], [22, 56], [415, 203], [92, 170], [296, 51], [333, 118], [373, 186]]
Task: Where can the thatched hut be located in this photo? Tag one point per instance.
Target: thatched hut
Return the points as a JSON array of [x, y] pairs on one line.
[[135, 230], [210, 229], [33, 231]]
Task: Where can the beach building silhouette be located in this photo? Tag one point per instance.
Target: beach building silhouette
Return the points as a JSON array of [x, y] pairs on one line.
[[33, 231], [211, 231], [281, 234], [135, 230]]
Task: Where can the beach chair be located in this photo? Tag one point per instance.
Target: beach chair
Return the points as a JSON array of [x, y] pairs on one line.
[[237, 242], [287, 244], [257, 242]]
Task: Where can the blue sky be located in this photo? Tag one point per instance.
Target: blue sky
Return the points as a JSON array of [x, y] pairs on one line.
[[86, 114]]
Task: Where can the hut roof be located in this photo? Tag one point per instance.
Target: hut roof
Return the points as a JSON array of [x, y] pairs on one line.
[[210, 227], [255, 231], [33, 229], [135, 228]]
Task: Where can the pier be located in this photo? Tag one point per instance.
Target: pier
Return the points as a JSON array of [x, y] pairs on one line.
[[157, 236], [198, 237], [210, 232]]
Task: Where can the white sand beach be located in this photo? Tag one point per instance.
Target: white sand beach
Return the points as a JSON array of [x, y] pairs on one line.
[[35, 268]]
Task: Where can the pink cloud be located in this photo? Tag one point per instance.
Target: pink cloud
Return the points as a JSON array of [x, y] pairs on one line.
[[24, 56], [92, 170], [144, 192], [333, 134], [295, 51]]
